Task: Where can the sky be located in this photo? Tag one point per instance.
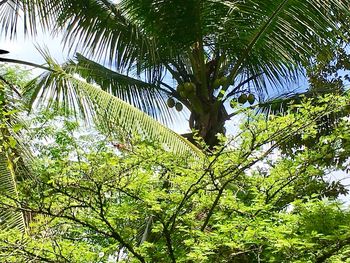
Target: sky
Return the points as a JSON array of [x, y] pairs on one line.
[[24, 48]]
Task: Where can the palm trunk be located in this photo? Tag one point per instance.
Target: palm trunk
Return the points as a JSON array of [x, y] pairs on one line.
[[209, 124]]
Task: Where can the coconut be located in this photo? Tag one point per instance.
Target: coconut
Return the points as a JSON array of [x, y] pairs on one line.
[[171, 102], [178, 106], [251, 99], [242, 99], [180, 88], [189, 88]]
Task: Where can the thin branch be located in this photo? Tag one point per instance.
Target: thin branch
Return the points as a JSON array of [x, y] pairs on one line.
[[11, 86], [73, 218], [188, 193], [217, 199], [169, 244]]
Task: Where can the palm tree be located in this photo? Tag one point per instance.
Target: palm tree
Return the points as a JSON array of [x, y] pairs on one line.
[[200, 54]]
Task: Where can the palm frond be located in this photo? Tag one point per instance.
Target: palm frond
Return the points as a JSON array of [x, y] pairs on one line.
[[148, 97], [285, 102], [95, 27], [270, 39], [116, 113], [279, 37], [276, 38], [30, 14], [9, 218], [176, 24], [282, 103], [110, 113], [101, 29]]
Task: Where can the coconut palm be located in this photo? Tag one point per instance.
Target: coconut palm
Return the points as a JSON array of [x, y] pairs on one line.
[[200, 54]]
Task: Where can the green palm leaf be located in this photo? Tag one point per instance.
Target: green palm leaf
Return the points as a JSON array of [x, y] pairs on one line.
[[284, 102], [275, 38], [101, 29], [271, 37], [96, 27], [10, 170], [28, 13], [148, 97], [282, 36], [9, 218], [110, 113]]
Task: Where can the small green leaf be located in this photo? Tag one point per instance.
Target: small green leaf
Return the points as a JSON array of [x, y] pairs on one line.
[[12, 142]]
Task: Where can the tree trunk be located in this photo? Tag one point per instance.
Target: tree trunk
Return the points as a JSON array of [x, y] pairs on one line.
[[209, 124]]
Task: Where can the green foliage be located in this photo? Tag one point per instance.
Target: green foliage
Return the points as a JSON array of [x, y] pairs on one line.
[[245, 202], [111, 115], [15, 75], [12, 165]]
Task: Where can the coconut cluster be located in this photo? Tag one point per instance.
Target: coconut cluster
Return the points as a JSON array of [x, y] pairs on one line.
[[220, 82], [185, 90], [171, 104], [242, 99], [188, 89]]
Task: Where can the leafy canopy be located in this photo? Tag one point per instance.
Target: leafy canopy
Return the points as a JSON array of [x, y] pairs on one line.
[[244, 203]]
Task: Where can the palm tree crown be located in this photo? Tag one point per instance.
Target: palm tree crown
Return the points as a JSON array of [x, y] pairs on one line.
[[214, 51]]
